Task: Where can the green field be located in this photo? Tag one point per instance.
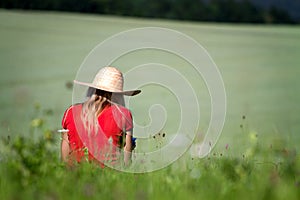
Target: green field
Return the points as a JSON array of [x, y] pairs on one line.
[[41, 51]]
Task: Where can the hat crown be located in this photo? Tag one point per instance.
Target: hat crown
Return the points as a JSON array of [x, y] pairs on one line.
[[109, 79]]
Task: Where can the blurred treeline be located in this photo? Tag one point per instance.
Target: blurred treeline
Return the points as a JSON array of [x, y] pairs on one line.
[[240, 11]]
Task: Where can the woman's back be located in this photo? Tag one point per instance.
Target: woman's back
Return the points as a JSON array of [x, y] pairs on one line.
[[102, 145]]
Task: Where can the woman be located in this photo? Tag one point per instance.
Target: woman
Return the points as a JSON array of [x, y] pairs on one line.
[[95, 128]]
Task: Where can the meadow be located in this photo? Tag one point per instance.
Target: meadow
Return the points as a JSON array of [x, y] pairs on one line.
[[256, 157]]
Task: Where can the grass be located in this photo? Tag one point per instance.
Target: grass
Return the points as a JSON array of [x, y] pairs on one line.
[[40, 53], [31, 169]]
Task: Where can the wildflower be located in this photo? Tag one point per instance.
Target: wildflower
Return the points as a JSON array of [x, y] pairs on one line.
[[37, 122], [48, 135], [253, 136]]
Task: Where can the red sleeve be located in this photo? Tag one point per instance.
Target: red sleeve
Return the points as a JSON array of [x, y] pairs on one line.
[[66, 117]]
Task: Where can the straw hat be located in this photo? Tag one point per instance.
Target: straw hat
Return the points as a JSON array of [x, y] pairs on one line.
[[109, 79]]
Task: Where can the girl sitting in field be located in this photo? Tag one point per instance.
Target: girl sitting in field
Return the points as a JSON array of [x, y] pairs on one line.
[[95, 128]]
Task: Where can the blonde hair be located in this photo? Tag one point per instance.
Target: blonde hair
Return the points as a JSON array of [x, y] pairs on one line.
[[94, 105]]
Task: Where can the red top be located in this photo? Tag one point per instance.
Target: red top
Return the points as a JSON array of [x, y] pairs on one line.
[[99, 144]]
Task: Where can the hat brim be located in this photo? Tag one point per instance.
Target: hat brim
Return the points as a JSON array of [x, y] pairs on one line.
[[127, 93]]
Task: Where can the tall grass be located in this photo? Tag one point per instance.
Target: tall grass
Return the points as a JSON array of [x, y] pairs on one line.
[[30, 168]]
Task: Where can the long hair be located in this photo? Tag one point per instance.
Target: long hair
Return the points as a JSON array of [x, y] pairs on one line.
[[96, 101]]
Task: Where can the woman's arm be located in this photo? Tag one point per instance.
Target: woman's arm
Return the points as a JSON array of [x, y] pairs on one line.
[[128, 148], [65, 148]]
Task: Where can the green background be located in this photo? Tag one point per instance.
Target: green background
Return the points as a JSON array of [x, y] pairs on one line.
[[41, 52], [255, 157]]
